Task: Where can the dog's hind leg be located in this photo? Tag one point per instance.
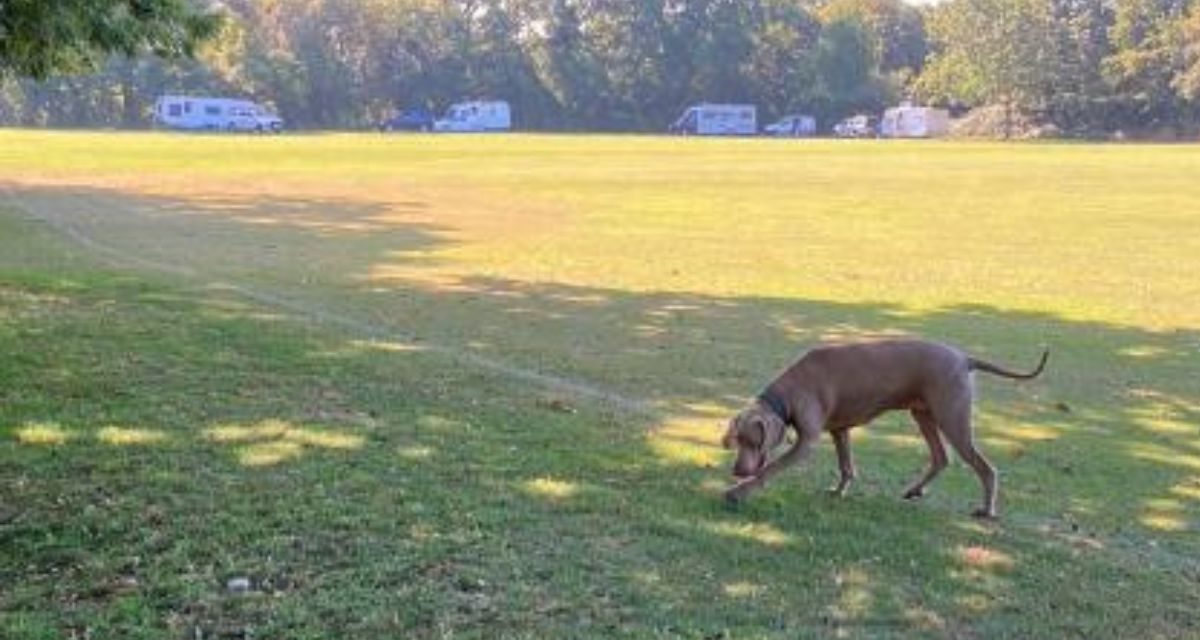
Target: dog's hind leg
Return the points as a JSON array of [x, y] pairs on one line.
[[937, 453], [955, 424]]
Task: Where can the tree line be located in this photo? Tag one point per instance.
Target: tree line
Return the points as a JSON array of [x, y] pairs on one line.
[[1085, 66]]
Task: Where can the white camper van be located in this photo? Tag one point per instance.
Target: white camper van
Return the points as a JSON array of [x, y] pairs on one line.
[[907, 121], [214, 114], [717, 120], [476, 116]]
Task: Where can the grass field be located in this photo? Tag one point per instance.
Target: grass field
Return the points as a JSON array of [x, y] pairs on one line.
[[472, 387]]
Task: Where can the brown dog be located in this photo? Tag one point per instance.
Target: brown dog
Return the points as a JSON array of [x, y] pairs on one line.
[[835, 388]]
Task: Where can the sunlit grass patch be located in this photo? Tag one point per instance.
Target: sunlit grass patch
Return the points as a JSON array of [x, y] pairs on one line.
[[130, 436], [551, 488], [693, 441], [389, 346], [415, 452], [1143, 351], [759, 532], [1165, 514], [1024, 431], [267, 429], [899, 440], [1157, 422], [325, 439], [273, 441], [924, 620], [441, 424], [265, 454], [743, 589], [855, 596], [42, 433], [1190, 489], [1166, 456], [1165, 521]]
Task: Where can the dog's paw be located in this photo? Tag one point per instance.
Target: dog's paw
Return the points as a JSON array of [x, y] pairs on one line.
[[914, 494], [984, 514]]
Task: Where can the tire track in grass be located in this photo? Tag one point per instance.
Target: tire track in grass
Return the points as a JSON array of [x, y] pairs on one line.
[[319, 314]]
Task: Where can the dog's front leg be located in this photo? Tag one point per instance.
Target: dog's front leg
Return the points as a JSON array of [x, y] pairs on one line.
[[841, 442], [794, 455]]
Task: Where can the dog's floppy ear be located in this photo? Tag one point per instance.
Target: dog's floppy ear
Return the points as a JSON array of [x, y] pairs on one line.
[[730, 438], [756, 431], [774, 430]]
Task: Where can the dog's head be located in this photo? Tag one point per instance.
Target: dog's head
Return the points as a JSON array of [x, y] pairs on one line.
[[753, 433]]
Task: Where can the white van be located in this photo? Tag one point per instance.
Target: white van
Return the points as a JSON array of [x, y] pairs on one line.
[[476, 116], [907, 121], [717, 120], [214, 114]]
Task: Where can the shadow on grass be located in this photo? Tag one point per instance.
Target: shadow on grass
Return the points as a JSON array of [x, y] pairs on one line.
[[158, 441]]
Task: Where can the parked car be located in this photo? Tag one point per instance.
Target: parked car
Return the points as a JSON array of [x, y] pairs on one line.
[[475, 117], [793, 125], [194, 113], [717, 120], [415, 119], [859, 126]]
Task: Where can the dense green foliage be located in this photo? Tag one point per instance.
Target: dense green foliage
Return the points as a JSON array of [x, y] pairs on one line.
[[1085, 66], [38, 39]]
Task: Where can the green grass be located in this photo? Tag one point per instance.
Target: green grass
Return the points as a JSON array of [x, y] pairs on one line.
[[444, 387]]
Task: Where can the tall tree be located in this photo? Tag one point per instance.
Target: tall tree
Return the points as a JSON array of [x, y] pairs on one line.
[[782, 62], [1186, 80], [38, 39], [992, 52], [1142, 68], [896, 30], [846, 65], [1078, 93], [569, 67]]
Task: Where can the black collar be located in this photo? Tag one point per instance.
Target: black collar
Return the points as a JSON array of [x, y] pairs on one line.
[[775, 403]]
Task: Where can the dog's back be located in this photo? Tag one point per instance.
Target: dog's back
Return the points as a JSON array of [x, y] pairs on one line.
[[857, 382]]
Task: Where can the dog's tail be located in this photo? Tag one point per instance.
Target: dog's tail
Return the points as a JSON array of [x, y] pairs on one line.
[[979, 365]]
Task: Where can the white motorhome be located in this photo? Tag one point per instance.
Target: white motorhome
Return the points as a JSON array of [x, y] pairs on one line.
[[717, 120], [907, 121], [475, 117], [193, 113]]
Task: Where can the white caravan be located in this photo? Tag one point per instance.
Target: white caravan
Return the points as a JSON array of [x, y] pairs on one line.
[[717, 120], [907, 121], [214, 114], [475, 117]]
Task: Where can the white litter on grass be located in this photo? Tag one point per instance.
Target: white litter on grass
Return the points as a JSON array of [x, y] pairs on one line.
[[238, 585]]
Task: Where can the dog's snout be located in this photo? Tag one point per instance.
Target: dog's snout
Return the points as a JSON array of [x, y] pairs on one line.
[[747, 465]]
